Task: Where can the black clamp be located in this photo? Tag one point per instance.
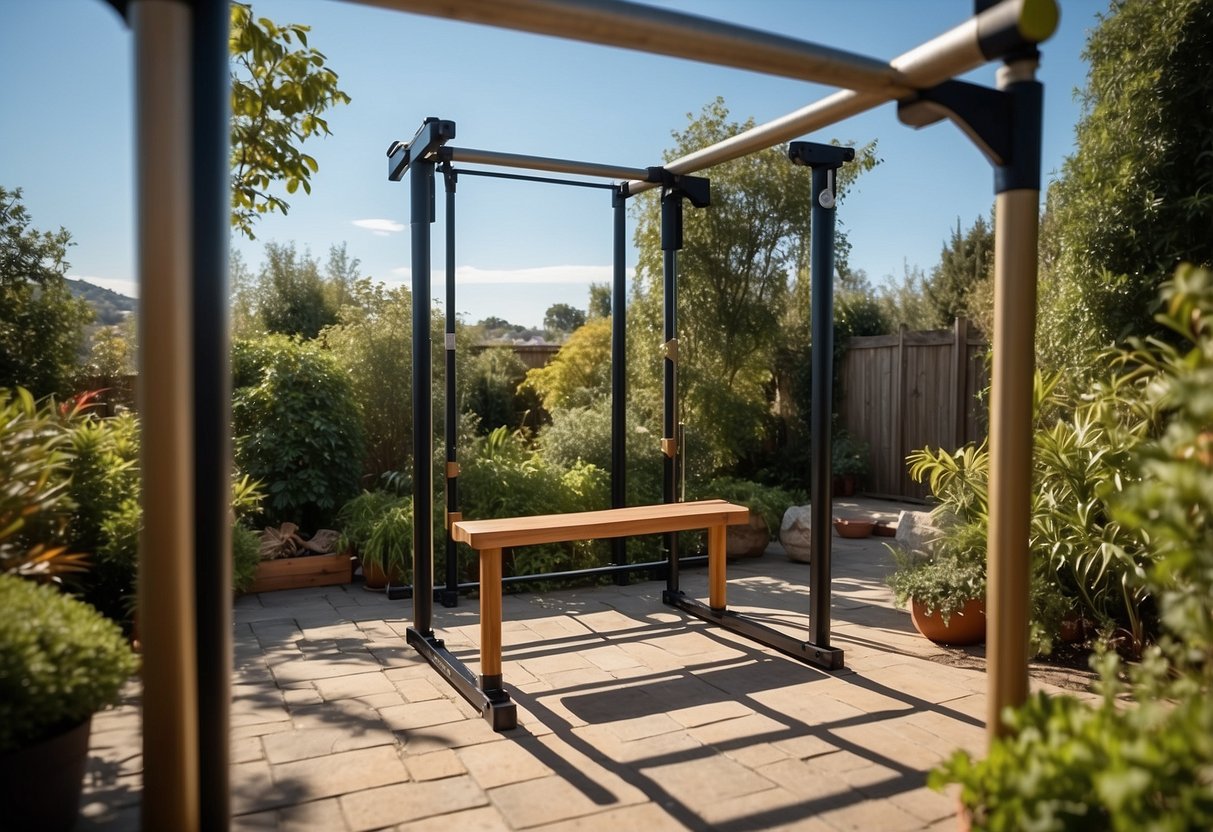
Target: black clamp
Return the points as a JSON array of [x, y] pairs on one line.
[[433, 133], [674, 189]]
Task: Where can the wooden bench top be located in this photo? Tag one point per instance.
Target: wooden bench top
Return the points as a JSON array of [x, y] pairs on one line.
[[588, 525]]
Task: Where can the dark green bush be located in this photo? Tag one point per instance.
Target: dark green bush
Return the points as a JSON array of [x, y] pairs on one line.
[[60, 661], [377, 526], [583, 435], [297, 429], [768, 501], [246, 554]]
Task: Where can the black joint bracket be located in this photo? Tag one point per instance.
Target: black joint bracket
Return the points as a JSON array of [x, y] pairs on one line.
[[450, 176], [1005, 125], [817, 155], [433, 133], [674, 189]]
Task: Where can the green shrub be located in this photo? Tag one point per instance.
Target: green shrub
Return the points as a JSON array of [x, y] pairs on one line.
[[583, 435], [492, 390], [768, 501], [297, 428], [1145, 764], [246, 554], [377, 526], [60, 661]]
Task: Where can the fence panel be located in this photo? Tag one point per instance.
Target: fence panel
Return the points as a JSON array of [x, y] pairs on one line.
[[905, 391]]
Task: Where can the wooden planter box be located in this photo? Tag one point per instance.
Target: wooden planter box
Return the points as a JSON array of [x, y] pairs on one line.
[[295, 573]]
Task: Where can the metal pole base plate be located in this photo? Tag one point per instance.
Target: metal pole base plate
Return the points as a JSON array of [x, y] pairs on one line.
[[494, 705]]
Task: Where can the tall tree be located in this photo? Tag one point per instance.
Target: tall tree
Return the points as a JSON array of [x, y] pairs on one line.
[[964, 262], [41, 323], [561, 319], [733, 291], [600, 301], [293, 296], [279, 93], [1136, 197]]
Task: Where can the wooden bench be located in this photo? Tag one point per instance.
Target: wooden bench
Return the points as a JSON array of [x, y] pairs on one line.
[[490, 537]]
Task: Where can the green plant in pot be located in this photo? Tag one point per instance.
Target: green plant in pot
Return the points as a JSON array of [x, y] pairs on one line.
[[377, 526], [849, 462], [766, 504], [60, 659]]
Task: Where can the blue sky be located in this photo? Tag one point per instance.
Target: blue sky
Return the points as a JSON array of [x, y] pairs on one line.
[[67, 137]]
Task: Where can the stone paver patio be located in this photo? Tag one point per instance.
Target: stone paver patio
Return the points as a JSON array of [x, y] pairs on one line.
[[632, 715]]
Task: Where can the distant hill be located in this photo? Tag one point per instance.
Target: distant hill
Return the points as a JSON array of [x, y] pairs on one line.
[[109, 307]]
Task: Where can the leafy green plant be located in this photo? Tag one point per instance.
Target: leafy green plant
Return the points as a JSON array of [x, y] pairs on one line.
[[850, 455], [377, 526], [296, 427], [952, 575], [246, 554], [60, 661], [767, 501], [1141, 764]]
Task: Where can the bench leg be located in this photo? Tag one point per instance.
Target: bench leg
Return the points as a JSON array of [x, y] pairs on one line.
[[490, 619], [717, 552]]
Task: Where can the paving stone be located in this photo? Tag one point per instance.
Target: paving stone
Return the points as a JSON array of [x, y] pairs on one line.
[[358, 684], [547, 800], [768, 809], [707, 713], [419, 690], [700, 781], [610, 657], [864, 815], [246, 750], [500, 763], [650, 750], [435, 765], [484, 819], [337, 774], [422, 714], [470, 731], [302, 696], [320, 742], [745, 729], [647, 816], [389, 805], [314, 816]]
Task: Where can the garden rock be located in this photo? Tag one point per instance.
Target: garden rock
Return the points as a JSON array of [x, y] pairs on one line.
[[794, 533], [916, 531]]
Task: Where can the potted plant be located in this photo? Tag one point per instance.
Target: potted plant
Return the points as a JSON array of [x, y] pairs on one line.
[[945, 587], [849, 462], [378, 527], [60, 662], [766, 504]]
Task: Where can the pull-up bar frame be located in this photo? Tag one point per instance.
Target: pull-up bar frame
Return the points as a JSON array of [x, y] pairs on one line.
[[173, 667]]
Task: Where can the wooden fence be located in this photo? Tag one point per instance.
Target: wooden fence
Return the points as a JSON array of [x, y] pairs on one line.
[[903, 392]]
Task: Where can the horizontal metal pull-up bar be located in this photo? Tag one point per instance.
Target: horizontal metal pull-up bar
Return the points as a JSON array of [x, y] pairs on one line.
[[470, 156], [676, 34], [548, 180], [1010, 25]]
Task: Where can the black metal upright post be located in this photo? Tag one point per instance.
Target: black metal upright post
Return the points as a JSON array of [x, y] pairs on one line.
[[619, 375], [212, 406], [674, 190], [450, 593], [824, 160], [421, 156]]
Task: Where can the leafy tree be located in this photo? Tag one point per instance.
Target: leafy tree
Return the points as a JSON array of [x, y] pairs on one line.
[[580, 373], [293, 296], [297, 428], [41, 323], [600, 301], [733, 285], [965, 261], [1136, 197], [561, 319], [904, 303], [279, 93], [492, 389]]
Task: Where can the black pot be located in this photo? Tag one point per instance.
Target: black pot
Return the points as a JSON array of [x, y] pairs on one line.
[[40, 785]]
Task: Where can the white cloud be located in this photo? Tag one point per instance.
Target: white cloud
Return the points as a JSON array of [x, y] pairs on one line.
[[381, 227], [539, 275], [123, 287]]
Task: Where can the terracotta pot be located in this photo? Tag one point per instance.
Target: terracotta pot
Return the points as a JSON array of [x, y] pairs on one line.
[[1071, 630], [854, 528], [40, 785], [884, 530], [843, 485], [966, 626], [375, 579]]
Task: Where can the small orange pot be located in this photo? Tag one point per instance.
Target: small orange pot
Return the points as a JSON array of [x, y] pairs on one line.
[[964, 627]]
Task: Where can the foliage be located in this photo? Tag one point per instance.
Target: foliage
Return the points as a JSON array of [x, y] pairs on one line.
[[293, 300], [904, 303], [493, 378], [501, 477], [965, 262], [1069, 764], [1136, 195], [60, 661], [582, 435], [297, 428], [279, 94], [953, 574], [850, 455], [378, 527], [580, 373], [733, 287], [41, 322], [600, 301], [767, 501], [35, 453], [246, 554], [561, 319]]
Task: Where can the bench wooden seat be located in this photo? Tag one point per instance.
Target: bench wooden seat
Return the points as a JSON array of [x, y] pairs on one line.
[[489, 537]]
